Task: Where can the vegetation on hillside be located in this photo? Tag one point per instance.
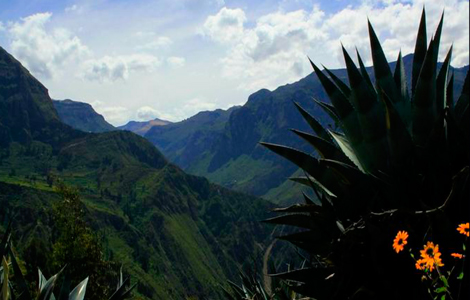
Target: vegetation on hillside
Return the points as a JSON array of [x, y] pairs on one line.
[[76, 253], [77, 246]]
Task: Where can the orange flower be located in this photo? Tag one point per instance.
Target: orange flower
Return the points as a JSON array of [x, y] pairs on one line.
[[457, 255], [431, 256], [420, 264], [464, 229], [400, 241]]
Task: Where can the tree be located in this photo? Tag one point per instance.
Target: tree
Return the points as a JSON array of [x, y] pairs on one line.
[[78, 247]]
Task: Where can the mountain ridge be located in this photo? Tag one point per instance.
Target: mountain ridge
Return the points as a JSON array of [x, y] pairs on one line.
[[141, 127], [235, 159], [223, 145], [81, 116]]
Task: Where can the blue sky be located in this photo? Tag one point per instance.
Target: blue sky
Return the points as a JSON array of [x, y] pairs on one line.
[[141, 59]]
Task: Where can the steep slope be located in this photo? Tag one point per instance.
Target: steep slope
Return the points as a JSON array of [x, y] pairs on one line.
[[26, 111], [177, 234], [189, 141], [232, 156], [81, 116], [141, 128]]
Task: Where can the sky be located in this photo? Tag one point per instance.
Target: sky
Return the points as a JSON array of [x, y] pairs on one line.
[[169, 59]]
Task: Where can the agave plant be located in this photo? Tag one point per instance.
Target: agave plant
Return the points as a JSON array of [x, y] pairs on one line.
[[252, 288], [19, 288], [399, 161]]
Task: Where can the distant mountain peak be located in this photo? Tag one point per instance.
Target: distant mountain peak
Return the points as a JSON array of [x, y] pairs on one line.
[[141, 127], [81, 116]]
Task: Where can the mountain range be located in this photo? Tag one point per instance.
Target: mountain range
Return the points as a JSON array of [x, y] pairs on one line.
[[178, 235], [223, 145]]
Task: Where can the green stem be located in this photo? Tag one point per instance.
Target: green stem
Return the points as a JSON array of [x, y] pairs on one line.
[[463, 267], [447, 280]]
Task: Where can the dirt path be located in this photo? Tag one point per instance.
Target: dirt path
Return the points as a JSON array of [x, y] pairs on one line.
[[73, 145], [266, 277], [267, 282]]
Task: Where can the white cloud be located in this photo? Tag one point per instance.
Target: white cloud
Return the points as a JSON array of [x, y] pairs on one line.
[[44, 51], [273, 51], [195, 105], [186, 109], [155, 43], [145, 34], [116, 115], [397, 26], [146, 113], [219, 3], [47, 51], [226, 25], [175, 61], [71, 8], [112, 68]]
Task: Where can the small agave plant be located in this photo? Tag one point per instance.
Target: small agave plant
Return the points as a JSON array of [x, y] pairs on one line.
[[253, 288], [399, 161], [46, 287]]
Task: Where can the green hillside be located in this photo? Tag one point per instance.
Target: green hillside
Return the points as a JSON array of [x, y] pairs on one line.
[[177, 235]]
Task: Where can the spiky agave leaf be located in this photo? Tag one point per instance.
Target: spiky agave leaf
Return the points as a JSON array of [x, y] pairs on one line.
[[122, 292], [325, 148], [314, 184], [339, 83], [442, 82], [369, 112], [314, 124], [383, 75], [420, 50], [78, 293], [309, 164], [5, 241], [47, 287], [330, 110], [5, 286], [462, 103], [251, 288], [19, 278], [364, 73], [343, 109], [400, 79]]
